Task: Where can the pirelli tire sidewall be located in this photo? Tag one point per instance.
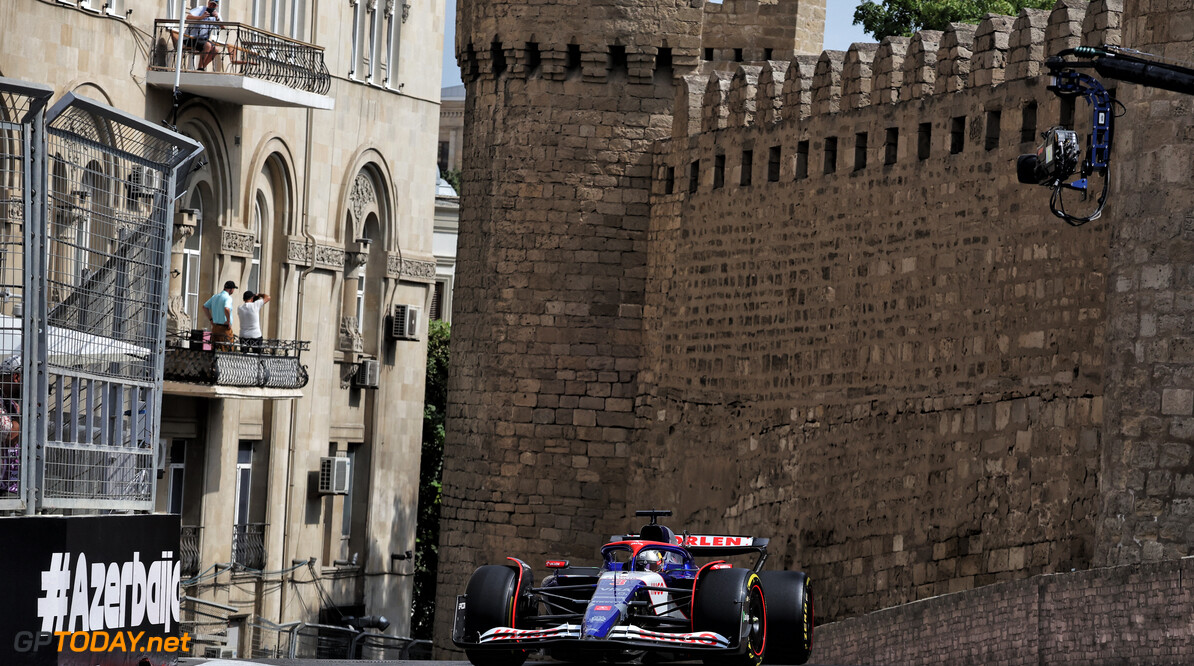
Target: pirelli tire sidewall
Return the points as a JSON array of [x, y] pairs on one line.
[[492, 600], [731, 602], [789, 616]]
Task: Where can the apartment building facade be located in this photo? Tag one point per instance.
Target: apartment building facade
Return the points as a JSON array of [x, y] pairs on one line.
[[294, 467]]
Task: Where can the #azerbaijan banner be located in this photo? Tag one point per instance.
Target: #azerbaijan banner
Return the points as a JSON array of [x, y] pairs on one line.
[[90, 591]]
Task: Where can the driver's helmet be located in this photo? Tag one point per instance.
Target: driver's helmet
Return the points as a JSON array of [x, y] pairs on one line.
[[650, 560]]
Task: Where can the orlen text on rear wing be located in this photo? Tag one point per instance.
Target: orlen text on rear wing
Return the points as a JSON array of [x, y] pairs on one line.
[[722, 545]]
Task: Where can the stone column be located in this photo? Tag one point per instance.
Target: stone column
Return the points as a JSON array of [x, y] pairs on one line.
[[350, 329]]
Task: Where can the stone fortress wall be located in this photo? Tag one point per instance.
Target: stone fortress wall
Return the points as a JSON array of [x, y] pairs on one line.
[[565, 102], [806, 298], [864, 337]]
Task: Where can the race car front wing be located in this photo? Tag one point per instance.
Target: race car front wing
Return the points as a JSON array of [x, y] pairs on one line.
[[620, 636], [625, 633]]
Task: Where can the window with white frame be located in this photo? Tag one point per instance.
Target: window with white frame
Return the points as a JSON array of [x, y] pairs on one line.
[[298, 15], [244, 480], [192, 253], [394, 39], [356, 68], [177, 476], [254, 281], [115, 8], [360, 310], [376, 26]]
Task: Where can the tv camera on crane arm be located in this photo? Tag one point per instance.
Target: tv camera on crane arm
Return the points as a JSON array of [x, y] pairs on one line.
[[1059, 158]]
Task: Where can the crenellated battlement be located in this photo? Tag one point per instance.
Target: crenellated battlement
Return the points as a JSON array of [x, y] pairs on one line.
[[760, 30], [964, 56]]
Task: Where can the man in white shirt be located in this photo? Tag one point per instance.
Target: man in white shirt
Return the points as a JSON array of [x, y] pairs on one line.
[[250, 322], [198, 38]]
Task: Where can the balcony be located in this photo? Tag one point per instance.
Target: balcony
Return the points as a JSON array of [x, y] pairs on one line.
[[260, 369], [248, 545], [252, 67], [188, 549]]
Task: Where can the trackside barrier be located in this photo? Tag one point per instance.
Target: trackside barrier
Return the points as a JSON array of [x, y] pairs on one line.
[[370, 645]]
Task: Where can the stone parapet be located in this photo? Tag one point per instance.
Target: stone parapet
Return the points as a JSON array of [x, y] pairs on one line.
[[1000, 48], [1116, 615]]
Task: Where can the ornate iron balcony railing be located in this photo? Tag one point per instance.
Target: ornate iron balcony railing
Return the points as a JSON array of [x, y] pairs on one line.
[[262, 363], [188, 548], [248, 545], [246, 51]]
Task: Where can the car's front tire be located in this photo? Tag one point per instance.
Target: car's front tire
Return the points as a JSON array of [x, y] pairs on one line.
[[492, 601], [790, 616], [731, 603]]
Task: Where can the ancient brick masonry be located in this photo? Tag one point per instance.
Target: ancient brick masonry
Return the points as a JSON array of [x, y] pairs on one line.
[[806, 298], [565, 102], [863, 336]]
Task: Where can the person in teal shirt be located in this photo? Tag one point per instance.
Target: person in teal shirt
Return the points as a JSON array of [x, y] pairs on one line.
[[219, 313]]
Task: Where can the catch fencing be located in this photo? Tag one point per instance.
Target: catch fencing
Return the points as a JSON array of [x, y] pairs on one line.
[[84, 371]]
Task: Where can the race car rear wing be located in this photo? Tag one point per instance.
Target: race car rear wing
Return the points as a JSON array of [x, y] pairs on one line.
[[718, 545]]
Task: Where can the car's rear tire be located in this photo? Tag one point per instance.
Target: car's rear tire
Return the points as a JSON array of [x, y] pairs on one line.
[[789, 615], [731, 603], [492, 595]]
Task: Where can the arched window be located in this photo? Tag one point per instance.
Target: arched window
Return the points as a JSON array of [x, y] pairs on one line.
[[365, 262]]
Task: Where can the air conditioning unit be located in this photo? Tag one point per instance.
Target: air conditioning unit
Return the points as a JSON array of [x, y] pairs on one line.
[[144, 182], [334, 475], [368, 374], [404, 323]]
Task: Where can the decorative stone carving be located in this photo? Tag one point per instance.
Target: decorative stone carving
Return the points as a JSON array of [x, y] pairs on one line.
[[355, 258], [326, 256], [177, 319], [418, 270], [405, 12], [362, 195], [389, 8], [237, 242], [350, 335], [329, 257], [297, 252], [415, 270]]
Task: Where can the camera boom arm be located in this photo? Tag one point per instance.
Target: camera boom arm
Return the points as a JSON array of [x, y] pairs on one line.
[[1056, 160]]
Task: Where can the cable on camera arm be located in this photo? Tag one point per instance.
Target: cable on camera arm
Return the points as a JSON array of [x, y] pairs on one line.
[[1057, 205]]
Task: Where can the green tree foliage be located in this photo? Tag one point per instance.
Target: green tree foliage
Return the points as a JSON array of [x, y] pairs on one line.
[[453, 178], [904, 17], [435, 403]]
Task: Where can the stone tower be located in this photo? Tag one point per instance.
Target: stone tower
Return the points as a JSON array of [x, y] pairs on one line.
[[564, 103]]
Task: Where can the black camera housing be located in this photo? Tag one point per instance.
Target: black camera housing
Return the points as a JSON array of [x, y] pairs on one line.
[[1055, 160]]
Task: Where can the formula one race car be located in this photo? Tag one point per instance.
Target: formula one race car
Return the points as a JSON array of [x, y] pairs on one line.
[[648, 598]]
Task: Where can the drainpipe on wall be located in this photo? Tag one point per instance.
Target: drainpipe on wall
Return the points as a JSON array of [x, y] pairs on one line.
[[298, 322]]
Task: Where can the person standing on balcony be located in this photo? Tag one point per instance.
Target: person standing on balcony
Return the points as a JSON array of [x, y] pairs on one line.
[[250, 322], [219, 313], [199, 38]]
